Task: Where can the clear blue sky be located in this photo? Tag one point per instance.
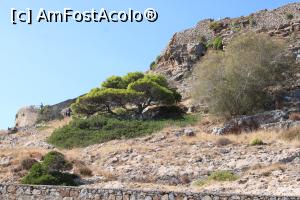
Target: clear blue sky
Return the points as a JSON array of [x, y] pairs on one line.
[[50, 63]]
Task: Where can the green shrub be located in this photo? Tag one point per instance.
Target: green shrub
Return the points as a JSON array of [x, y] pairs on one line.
[[55, 161], [289, 16], [153, 65], [236, 81], [50, 172], [216, 43], [219, 176], [223, 176], [257, 142], [98, 129], [39, 176], [216, 26]]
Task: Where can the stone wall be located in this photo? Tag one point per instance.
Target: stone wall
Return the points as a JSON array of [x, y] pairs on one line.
[[26, 192]]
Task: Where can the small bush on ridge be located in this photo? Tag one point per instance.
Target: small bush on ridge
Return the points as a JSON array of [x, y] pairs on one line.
[[50, 171], [289, 16], [219, 176], [216, 26], [257, 142]]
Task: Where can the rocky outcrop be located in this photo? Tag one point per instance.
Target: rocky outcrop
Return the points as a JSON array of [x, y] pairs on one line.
[[26, 116], [266, 120], [29, 116], [289, 104], [186, 48]]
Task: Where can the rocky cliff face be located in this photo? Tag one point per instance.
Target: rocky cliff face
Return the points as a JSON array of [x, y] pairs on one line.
[[186, 48]]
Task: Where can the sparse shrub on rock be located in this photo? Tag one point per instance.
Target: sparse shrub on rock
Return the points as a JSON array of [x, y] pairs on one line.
[[289, 16], [216, 43], [237, 81], [223, 176], [257, 142], [216, 26], [219, 176]]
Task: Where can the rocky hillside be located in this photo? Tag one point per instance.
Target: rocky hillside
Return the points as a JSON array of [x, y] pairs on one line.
[[182, 158], [186, 48], [177, 159]]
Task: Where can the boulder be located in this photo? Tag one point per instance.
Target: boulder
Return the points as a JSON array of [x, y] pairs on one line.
[[189, 132], [250, 123]]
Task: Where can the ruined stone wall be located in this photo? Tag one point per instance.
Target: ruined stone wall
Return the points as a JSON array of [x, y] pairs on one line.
[[22, 192]]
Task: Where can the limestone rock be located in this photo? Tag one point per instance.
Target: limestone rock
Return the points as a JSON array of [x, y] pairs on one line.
[[26, 117]]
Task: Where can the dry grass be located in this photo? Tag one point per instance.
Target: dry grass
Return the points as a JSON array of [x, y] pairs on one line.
[[291, 135], [295, 116], [211, 120], [17, 155], [109, 176], [244, 138], [266, 170], [223, 141], [81, 168]]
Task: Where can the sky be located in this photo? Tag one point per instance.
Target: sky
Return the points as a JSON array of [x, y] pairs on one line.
[[49, 62]]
